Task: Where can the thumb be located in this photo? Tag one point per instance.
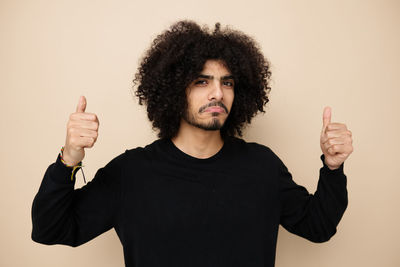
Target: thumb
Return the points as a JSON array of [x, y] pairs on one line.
[[326, 118], [81, 105]]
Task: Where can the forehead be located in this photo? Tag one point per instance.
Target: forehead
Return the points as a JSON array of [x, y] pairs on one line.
[[216, 67]]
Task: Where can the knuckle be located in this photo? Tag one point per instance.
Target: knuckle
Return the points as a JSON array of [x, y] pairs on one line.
[[72, 141], [92, 117], [74, 117]]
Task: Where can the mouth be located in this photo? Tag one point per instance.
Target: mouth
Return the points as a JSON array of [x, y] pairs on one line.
[[215, 109]]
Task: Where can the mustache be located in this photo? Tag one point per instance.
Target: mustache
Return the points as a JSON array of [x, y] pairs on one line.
[[213, 104]]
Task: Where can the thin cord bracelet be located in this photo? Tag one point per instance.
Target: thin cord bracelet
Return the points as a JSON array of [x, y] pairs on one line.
[[74, 168]]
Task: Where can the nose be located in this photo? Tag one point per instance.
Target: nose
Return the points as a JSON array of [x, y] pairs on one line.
[[216, 92]]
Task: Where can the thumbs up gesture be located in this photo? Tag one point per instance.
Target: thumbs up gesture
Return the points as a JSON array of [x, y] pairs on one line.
[[336, 141], [82, 132]]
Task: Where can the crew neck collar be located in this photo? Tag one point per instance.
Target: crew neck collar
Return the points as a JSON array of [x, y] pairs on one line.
[[173, 149]]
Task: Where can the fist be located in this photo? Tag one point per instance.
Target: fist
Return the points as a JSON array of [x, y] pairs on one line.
[[82, 132], [336, 141]]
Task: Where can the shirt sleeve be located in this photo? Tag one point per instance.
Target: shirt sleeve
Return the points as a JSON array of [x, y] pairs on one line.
[[313, 216], [64, 215]]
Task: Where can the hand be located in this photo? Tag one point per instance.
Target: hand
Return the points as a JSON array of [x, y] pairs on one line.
[[82, 132], [336, 141]]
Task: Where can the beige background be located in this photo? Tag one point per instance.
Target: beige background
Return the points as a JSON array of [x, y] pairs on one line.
[[339, 53]]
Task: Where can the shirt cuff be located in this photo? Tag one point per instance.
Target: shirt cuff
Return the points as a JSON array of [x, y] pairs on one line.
[[326, 168], [67, 173]]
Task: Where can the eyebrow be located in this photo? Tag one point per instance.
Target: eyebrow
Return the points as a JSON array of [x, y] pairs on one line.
[[210, 77]]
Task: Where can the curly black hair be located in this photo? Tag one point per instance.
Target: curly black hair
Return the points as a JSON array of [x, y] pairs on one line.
[[177, 56]]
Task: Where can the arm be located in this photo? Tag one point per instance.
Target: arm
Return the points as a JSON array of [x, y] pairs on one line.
[[316, 217], [62, 215]]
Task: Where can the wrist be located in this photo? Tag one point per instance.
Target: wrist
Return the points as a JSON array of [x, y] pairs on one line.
[[332, 168], [73, 166], [67, 160]]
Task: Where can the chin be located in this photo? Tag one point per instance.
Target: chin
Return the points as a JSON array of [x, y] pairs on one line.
[[213, 123]]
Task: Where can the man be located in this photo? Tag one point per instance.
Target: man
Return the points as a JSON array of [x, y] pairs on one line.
[[198, 196]]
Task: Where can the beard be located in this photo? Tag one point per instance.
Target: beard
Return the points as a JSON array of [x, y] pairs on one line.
[[212, 125]]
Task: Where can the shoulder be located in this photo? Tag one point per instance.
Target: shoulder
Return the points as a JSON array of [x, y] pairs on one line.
[[254, 152], [131, 159], [139, 153], [250, 147]]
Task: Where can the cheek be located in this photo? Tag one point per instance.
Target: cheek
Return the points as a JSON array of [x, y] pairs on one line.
[[192, 105], [196, 99], [229, 97]]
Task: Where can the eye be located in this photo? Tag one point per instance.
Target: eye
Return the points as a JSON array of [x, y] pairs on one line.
[[228, 83], [200, 82]]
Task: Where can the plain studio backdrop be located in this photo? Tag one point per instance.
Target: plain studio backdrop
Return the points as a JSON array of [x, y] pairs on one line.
[[344, 54]]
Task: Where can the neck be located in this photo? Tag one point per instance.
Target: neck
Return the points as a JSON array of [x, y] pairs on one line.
[[197, 142]]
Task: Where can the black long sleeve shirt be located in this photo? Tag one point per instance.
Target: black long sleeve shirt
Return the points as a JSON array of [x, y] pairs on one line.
[[171, 209]]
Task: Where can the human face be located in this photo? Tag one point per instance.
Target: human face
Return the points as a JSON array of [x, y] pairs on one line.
[[210, 97]]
